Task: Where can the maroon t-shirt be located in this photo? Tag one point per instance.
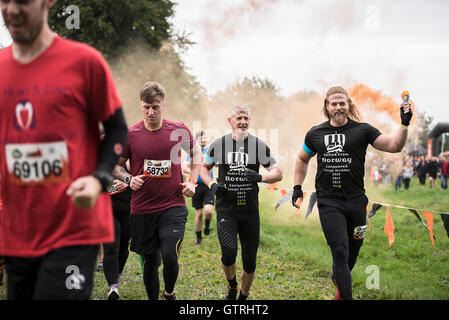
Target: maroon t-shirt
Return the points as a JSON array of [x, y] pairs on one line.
[[157, 154]]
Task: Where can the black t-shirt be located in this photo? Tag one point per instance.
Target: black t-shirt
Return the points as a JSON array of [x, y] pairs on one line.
[[340, 156], [432, 168], [232, 158]]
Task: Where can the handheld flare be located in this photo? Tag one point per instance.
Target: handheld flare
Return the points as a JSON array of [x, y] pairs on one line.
[[405, 96]]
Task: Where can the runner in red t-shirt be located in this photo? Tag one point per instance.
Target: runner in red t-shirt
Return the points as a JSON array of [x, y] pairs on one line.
[[2, 259], [158, 208], [53, 94]]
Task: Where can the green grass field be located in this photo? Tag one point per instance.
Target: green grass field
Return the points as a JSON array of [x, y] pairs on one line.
[[294, 261]]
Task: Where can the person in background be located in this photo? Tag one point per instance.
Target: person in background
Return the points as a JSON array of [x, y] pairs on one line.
[[432, 171], [407, 175], [444, 172], [203, 199], [421, 170], [397, 173]]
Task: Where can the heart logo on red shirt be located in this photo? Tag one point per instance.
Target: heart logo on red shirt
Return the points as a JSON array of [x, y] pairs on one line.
[[24, 116]]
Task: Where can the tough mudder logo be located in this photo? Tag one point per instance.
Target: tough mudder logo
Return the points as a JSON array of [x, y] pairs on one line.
[[237, 160], [334, 142]]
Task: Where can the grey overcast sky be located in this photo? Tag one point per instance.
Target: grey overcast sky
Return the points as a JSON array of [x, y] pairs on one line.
[[387, 45], [312, 44]]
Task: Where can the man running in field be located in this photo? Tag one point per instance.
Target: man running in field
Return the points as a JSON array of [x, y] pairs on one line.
[[340, 145], [238, 156], [158, 209]]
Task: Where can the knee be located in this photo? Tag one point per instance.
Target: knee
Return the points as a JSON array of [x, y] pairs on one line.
[[199, 213], [228, 256], [170, 251], [339, 251], [249, 265], [209, 210], [151, 262]]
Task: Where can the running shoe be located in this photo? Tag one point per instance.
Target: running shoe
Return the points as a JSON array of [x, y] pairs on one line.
[[99, 267], [168, 297], [337, 293], [113, 292], [206, 231], [232, 293], [198, 241]]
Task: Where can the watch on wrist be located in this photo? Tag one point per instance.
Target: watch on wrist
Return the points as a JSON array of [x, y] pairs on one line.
[[128, 180], [104, 178]]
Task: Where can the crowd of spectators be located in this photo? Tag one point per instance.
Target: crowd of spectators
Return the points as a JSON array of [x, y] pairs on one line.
[[400, 171]]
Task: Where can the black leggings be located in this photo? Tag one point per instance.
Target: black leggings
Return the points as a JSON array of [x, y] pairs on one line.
[[116, 253], [169, 250], [445, 219], [344, 226], [247, 226]]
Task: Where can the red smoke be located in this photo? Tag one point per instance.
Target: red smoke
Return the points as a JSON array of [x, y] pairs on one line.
[[228, 24]]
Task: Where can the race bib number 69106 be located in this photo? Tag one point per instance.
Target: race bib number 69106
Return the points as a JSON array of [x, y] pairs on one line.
[[37, 163]]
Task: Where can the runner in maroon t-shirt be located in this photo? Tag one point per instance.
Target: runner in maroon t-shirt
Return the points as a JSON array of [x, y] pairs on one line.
[[158, 208]]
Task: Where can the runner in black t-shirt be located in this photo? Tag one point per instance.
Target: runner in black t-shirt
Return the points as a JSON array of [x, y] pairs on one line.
[[432, 171], [340, 145], [238, 157]]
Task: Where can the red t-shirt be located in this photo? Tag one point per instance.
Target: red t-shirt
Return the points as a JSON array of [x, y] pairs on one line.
[[49, 114], [157, 154], [445, 167]]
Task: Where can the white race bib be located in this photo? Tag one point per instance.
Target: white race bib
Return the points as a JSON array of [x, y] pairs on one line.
[[37, 163], [157, 168], [360, 232]]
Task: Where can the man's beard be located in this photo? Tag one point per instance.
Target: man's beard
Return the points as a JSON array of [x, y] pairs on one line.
[[30, 35], [340, 117]]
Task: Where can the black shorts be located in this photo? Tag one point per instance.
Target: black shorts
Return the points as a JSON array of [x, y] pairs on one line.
[[62, 274], [203, 195], [343, 219], [247, 226], [148, 229]]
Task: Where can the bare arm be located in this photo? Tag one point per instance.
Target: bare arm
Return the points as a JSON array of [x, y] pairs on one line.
[[396, 142], [119, 172], [205, 172], [195, 163], [185, 168], [393, 143], [273, 175], [301, 166]]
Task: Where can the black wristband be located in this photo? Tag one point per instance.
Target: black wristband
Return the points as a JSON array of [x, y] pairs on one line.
[[104, 178]]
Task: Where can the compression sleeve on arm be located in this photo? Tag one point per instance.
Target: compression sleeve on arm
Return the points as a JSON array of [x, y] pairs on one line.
[[116, 132]]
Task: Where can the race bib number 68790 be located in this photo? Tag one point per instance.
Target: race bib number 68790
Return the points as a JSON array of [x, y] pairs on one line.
[[37, 163]]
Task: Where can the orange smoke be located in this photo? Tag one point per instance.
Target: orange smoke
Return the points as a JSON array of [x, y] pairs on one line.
[[363, 96]]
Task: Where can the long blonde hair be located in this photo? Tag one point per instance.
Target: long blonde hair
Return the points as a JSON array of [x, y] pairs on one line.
[[353, 111]]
